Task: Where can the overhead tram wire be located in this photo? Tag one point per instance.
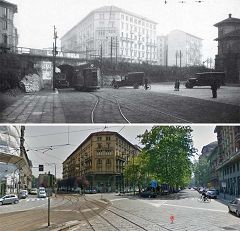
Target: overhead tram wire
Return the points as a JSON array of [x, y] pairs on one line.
[[58, 133]]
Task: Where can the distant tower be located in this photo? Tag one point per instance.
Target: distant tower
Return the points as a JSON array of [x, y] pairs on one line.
[[228, 57]]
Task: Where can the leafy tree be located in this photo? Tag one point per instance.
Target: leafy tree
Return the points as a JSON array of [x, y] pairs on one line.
[[201, 171], [169, 149], [136, 172]]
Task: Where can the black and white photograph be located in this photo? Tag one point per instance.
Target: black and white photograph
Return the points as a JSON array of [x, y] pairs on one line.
[[148, 61]]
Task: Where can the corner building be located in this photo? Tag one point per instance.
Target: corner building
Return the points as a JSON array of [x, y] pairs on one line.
[[101, 158], [8, 32], [115, 33]]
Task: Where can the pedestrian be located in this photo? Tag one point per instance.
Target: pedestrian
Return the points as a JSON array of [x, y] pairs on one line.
[[214, 89], [175, 85], [178, 85]]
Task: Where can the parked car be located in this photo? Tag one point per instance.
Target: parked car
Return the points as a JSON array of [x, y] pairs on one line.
[[33, 191], [90, 191], [206, 79], [9, 199], [23, 194], [234, 206], [148, 194], [42, 193], [212, 193]]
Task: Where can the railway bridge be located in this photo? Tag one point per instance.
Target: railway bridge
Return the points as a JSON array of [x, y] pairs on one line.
[[42, 60]]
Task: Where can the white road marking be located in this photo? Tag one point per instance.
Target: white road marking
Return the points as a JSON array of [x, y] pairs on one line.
[[189, 207], [119, 199]]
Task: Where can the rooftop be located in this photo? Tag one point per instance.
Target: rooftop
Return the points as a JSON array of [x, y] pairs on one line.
[[9, 4], [229, 20]]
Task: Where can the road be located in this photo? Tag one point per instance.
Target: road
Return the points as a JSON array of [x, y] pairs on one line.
[[127, 105], [102, 212]]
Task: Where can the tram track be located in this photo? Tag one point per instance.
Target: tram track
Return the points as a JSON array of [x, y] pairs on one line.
[[143, 109], [115, 102], [113, 219]]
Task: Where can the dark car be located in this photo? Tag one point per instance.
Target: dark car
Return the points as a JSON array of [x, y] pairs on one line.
[[148, 194], [206, 79], [234, 206], [9, 199], [212, 193], [61, 81], [23, 194]]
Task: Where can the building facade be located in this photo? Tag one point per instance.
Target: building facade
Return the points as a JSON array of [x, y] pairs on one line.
[[15, 167], [113, 33], [228, 162], [183, 49], [162, 50], [228, 57], [8, 32], [100, 158]]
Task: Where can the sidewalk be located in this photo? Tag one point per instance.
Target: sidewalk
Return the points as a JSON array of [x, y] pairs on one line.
[[40, 107]]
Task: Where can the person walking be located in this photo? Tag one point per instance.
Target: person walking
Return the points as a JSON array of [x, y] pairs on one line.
[[214, 89]]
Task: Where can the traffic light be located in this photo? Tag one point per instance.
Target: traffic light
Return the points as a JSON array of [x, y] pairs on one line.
[[40, 168]]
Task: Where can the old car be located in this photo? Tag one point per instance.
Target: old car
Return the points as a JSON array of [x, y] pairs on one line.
[[131, 79], [9, 199], [206, 79], [234, 206]]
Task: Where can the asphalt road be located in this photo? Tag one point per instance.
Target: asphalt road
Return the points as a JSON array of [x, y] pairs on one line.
[[161, 104]]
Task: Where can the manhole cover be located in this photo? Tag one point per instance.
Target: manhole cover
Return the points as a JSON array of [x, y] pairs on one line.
[[228, 228]]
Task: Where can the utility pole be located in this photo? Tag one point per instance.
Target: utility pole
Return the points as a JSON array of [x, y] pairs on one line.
[[116, 50], [166, 56], [86, 53], [54, 55], [111, 49], [180, 58], [176, 57], [101, 65]]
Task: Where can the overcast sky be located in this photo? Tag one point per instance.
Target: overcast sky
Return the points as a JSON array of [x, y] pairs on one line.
[[35, 19], [65, 139]]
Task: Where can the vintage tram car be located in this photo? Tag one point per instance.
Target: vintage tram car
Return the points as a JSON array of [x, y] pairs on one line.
[[87, 79]]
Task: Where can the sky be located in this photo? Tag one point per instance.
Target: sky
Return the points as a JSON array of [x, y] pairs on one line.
[[65, 139], [35, 19]]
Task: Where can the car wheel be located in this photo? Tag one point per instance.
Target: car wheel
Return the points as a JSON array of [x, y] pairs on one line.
[[238, 213], [15, 202], [229, 210], [1, 203]]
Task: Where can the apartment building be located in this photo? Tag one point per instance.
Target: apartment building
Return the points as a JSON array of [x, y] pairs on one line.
[[227, 59], [116, 34], [228, 163], [183, 49], [8, 32], [100, 158]]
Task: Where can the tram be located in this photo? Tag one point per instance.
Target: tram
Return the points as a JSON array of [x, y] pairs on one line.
[[86, 79]]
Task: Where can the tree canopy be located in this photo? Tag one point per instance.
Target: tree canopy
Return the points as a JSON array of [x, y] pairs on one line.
[[165, 156]]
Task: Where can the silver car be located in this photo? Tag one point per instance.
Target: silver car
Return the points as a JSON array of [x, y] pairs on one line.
[[9, 199], [234, 206]]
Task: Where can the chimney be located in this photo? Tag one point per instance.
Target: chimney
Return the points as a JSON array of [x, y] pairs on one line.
[[230, 15]]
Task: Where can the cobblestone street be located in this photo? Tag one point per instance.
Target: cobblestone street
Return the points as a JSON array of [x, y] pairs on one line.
[[126, 105]]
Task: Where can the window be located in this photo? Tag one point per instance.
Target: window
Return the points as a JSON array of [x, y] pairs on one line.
[[126, 18], [99, 146], [5, 12], [5, 25], [5, 39], [108, 161], [101, 16], [99, 138], [122, 16], [108, 138]]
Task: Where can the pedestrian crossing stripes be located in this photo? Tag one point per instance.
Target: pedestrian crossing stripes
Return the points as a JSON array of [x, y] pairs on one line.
[[35, 199]]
